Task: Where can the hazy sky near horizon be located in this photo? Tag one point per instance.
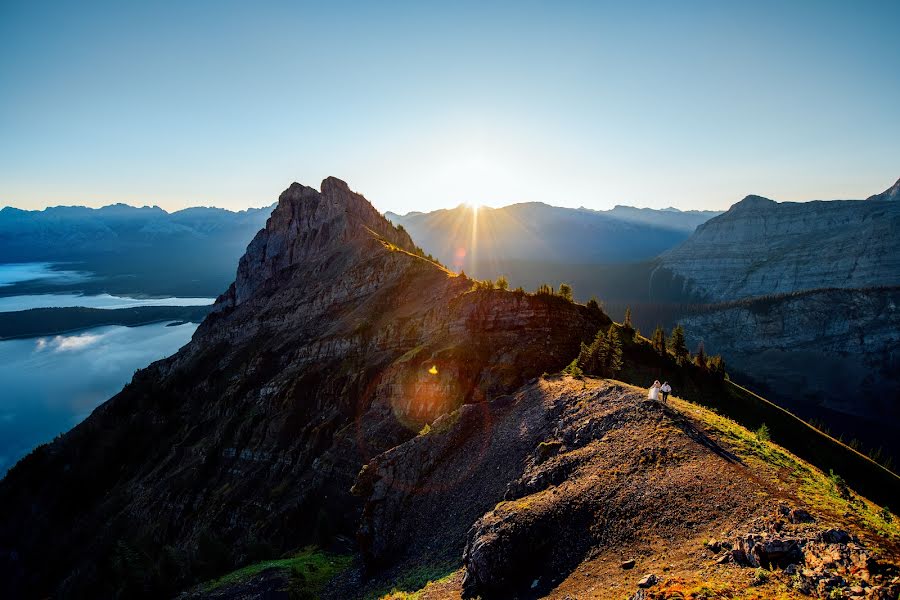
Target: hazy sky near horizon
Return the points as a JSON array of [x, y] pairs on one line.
[[421, 106]]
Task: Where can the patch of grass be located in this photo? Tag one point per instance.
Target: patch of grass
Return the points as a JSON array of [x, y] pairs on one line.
[[415, 582], [310, 569]]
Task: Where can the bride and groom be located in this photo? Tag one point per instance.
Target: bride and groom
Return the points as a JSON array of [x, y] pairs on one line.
[[656, 389]]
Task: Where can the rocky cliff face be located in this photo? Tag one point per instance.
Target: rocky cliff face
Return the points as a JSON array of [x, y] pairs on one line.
[[761, 247], [820, 338], [335, 342], [829, 355]]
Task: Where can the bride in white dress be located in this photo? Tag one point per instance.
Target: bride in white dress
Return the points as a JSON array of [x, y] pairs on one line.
[[653, 394]]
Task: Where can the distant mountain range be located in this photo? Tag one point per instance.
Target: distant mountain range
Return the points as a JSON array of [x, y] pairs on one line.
[[486, 238], [133, 250], [146, 250]]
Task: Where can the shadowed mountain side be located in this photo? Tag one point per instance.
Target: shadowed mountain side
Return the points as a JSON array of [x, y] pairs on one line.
[[828, 355]]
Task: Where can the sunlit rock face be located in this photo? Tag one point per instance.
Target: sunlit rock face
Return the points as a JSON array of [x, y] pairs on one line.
[[761, 247], [335, 342]]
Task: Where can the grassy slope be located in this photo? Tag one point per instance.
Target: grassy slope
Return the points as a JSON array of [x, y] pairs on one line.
[[812, 485], [768, 461], [643, 364], [308, 571]]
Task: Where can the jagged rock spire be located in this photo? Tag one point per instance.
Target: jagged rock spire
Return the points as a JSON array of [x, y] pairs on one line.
[[311, 225]]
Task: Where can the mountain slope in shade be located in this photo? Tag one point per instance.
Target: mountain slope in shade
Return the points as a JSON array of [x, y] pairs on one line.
[[828, 355], [761, 247]]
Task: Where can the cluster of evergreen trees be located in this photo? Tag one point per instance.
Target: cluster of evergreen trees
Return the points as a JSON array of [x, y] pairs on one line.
[[677, 346], [545, 289], [564, 291], [602, 357]]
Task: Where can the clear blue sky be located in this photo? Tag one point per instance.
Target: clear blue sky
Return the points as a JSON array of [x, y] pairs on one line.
[[420, 105]]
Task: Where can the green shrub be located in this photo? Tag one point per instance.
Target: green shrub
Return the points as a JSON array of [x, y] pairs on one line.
[[573, 369], [838, 485], [762, 434], [760, 577]]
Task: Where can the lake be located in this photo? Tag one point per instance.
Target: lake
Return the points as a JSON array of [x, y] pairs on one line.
[[50, 384], [11, 273]]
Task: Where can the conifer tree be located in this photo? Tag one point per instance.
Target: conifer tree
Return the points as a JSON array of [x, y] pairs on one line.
[[613, 358], [502, 283], [626, 322], [584, 357], [678, 344], [716, 366], [700, 356], [659, 340], [594, 355], [565, 290]]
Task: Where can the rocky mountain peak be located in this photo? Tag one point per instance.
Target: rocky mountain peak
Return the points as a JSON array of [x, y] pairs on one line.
[[753, 202], [892, 193], [309, 225]]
